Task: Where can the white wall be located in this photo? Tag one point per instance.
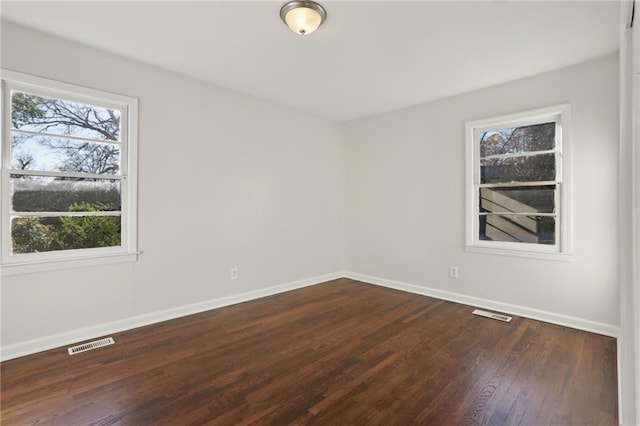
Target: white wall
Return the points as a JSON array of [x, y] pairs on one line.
[[250, 191], [225, 180], [405, 197]]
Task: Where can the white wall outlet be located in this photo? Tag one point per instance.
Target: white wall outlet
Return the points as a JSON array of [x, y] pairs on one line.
[[453, 271], [235, 274]]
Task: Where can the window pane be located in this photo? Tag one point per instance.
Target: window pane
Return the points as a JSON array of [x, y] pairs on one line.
[[47, 194], [518, 229], [538, 137], [43, 114], [42, 234], [518, 199], [51, 154], [534, 168]]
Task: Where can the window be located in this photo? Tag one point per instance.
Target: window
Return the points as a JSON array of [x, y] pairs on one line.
[[517, 191], [68, 175]]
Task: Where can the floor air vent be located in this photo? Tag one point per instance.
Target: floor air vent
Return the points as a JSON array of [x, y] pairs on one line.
[[91, 345], [492, 315]]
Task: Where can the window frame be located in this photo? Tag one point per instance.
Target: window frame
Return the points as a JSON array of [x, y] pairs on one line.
[[16, 264], [562, 249]]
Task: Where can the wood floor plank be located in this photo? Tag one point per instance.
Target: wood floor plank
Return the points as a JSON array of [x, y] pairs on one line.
[[341, 352]]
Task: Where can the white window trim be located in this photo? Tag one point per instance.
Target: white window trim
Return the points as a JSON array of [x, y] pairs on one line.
[[562, 250], [40, 262]]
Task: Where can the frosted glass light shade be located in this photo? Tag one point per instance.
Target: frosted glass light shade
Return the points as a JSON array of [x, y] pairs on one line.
[[303, 20], [303, 17]]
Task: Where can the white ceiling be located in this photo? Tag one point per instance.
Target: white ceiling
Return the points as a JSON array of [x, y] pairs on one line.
[[369, 56]]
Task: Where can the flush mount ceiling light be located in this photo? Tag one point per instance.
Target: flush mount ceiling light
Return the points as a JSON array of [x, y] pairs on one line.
[[303, 17]]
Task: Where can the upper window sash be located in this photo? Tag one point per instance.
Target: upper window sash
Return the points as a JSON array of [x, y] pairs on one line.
[[45, 88]]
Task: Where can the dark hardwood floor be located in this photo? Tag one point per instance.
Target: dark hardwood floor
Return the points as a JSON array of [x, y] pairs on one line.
[[339, 353]]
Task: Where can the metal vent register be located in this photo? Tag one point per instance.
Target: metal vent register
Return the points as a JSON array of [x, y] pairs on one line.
[[91, 345], [492, 315]]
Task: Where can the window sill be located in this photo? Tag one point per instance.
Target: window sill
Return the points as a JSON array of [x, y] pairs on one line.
[[13, 269], [560, 257]]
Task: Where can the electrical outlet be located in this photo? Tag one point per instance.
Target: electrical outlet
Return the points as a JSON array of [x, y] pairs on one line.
[[235, 273], [453, 271]]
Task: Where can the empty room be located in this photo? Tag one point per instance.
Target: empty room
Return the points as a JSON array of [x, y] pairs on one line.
[[331, 212]]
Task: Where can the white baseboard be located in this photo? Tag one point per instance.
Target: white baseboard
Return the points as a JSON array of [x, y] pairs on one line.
[[74, 336], [49, 342], [554, 318]]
